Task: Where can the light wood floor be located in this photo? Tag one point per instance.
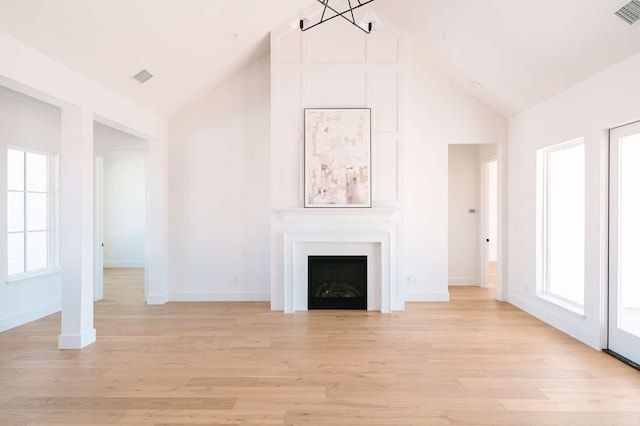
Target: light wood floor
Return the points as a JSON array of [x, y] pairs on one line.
[[473, 361], [493, 274]]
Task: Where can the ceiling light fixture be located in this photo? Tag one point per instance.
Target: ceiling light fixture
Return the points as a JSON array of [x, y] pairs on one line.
[[367, 25]]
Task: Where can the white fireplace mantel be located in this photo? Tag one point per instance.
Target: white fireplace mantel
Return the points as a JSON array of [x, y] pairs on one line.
[[337, 214], [335, 231]]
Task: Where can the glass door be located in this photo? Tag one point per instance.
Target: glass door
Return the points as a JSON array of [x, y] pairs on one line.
[[624, 242]]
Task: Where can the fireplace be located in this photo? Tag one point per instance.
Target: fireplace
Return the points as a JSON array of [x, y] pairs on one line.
[[337, 282], [300, 233]]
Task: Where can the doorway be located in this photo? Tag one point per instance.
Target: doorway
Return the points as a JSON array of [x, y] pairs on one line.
[[624, 242], [473, 215], [489, 223], [119, 209]]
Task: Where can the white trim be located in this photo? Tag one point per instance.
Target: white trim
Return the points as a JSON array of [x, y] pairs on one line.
[[484, 218], [29, 150], [603, 311], [562, 303], [32, 274], [383, 243], [557, 317], [17, 320], [542, 288], [374, 214], [621, 341], [427, 296], [98, 227], [51, 228], [218, 296], [464, 281], [124, 264], [77, 341], [502, 231], [157, 299], [327, 231]]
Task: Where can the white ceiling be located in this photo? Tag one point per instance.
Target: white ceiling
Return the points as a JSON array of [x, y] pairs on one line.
[[519, 51]]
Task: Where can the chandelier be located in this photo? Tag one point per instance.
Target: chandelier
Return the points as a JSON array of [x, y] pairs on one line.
[[329, 12]]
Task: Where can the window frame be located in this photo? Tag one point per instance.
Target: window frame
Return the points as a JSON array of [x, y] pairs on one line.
[[51, 215], [543, 284]]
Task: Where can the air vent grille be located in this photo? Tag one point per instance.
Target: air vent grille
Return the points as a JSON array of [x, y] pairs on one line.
[[630, 12], [143, 76]]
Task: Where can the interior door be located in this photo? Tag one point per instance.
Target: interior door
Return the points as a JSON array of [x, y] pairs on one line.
[[624, 241]]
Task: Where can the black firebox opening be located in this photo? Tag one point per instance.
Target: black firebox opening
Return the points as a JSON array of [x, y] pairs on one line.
[[337, 282]]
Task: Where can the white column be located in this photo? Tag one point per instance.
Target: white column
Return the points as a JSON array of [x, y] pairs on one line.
[[76, 228]]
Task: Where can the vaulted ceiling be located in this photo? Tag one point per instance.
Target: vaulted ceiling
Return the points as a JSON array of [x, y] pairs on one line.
[[510, 54]]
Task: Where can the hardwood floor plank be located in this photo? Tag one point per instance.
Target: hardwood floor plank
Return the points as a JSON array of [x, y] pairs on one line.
[[68, 417], [119, 404], [542, 418], [365, 416], [629, 384], [194, 417], [471, 361]]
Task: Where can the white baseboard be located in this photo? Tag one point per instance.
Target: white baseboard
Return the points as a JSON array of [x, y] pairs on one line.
[[123, 264], [501, 296], [556, 320], [427, 296], [17, 320], [76, 341], [464, 281], [157, 299], [219, 297]]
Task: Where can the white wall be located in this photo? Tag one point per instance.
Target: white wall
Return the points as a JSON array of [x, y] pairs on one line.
[[28, 123], [219, 191], [124, 193], [108, 140], [124, 211], [417, 113], [464, 227], [603, 101], [437, 114], [335, 66], [487, 151]]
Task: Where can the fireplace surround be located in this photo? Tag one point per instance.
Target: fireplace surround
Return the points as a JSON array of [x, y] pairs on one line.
[[300, 233]]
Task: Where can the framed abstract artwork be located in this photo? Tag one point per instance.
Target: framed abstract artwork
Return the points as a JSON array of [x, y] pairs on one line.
[[337, 157]]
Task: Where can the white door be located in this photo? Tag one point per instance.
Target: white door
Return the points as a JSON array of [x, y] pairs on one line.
[[98, 250], [624, 241]]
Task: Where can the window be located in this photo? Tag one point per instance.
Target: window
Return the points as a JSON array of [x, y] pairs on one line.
[[561, 224], [29, 215]]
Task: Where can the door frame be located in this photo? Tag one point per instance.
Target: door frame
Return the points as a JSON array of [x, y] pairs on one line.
[[612, 250], [484, 218], [98, 215], [98, 230]]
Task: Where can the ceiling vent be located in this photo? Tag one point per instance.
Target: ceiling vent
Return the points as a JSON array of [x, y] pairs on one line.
[[630, 12], [143, 76]]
